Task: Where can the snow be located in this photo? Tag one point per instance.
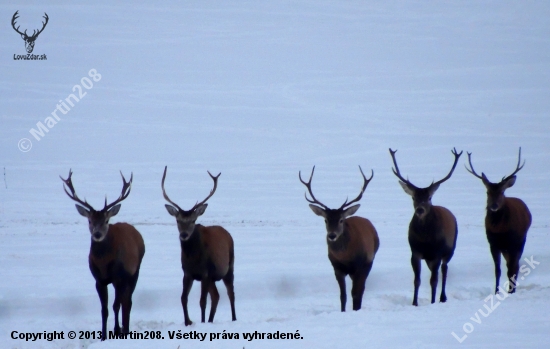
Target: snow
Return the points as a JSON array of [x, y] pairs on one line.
[[259, 91]]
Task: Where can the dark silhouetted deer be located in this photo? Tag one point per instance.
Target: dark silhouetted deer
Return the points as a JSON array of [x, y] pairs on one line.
[[432, 232], [506, 223], [352, 242], [115, 254], [207, 255], [29, 40]]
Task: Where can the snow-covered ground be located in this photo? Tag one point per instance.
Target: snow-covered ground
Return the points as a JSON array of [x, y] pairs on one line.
[[259, 91]]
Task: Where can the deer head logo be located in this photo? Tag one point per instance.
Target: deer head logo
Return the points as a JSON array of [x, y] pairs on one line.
[[29, 40]]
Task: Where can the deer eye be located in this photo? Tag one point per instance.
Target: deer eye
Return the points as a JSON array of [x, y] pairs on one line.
[[341, 221]]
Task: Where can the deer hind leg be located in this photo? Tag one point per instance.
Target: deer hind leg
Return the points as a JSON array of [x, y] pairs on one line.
[[434, 268], [215, 297], [205, 287], [228, 281], [187, 284], [103, 298], [444, 268], [415, 263]]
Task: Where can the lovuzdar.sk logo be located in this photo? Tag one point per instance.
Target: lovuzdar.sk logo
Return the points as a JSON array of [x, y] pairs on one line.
[[29, 39]]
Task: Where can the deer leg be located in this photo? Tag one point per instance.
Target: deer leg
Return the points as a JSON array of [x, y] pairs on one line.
[[205, 286], [215, 297], [495, 253], [444, 268], [116, 308], [103, 298], [126, 302], [512, 265], [415, 263], [341, 278], [187, 283], [357, 289], [228, 281], [434, 268]]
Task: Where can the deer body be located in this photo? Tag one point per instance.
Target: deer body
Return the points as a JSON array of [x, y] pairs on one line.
[[506, 224], [432, 234], [352, 243], [116, 252], [207, 255], [353, 254]]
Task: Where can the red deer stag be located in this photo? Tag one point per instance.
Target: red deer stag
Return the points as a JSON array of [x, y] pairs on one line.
[[207, 255], [352, 242], [432, 232], [506, 223], [115, 255]]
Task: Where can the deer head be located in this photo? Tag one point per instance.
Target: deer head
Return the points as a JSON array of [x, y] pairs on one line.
[[186, 220], [334, 218], [495, 191], [422, 197], [98, 221], [29, 40]]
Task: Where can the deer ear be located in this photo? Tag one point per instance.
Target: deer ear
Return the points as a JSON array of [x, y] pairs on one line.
[[200, 210], [113, 211], [406, 188], [83, 212], [318, 210], [433, 188], [171, 210], [351, 210], [509, 182]]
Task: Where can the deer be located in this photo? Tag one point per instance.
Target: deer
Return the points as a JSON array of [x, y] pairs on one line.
[[207, 254], [116, 252], [29, 40], [352, 241], [506, 223], [433, 231]]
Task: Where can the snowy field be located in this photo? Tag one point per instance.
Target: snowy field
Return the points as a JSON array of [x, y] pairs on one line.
[[259, 91]]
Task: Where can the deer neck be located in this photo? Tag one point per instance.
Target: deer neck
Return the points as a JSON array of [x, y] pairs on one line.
[[193, 245]]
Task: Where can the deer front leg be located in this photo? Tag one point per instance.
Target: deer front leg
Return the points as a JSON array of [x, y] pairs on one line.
[[341, 278], [103, 298], [187, 283], [415, 263]]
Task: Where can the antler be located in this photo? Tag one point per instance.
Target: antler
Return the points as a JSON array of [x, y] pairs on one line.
[[43, 25], [13, 19], [396, 170], [164, 191], [518, 167], [126, 187], [308, 186], [68, 182], [215, 179], [457, 156], [471, 169], [365, 183]]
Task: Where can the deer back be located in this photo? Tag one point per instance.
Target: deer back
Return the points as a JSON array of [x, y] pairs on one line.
[[360, 238], [123, 246], [514, 217]]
